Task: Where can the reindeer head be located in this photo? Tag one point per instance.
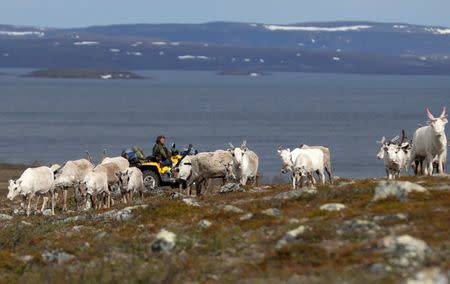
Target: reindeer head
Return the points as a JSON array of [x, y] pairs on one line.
[[124, 178], [13, 189], [438, 123], [229, 171], [286, 161], [238, 153]]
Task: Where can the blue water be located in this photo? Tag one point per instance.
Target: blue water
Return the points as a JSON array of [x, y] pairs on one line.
[[53, 120]]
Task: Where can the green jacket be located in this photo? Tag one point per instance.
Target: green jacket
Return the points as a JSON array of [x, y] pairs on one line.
[[161, 152]]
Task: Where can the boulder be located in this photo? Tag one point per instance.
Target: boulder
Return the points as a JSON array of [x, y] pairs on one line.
[[191, 202], [204, 224], [231, 187], [164, 242], [5, 217], [359, 227], [273, 212], [56, 256], [232, 209], [333, 207], [398, 189], [293, 194], [246, 217], [431, 275], [405, 251], [291, 236]]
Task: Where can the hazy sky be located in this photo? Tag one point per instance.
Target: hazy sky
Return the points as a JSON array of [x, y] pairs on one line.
[[69, 13]]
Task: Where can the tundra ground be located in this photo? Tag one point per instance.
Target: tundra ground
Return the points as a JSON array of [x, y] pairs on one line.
[[236, 247]]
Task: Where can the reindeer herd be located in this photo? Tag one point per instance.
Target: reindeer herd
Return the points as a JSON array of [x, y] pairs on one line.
[[424, 154], [93, 185]]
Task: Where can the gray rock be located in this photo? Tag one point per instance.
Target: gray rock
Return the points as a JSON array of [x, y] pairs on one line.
[[26, 223], [273, 212], [391, 218], [100, 235], [333, 207], [165, 241], [293, 194], [377, 268], [246, 217], [56, 256], [405, 251], [294, 221], [232, 209], [204, 224], [5, 217], [360, 227], [124, 214], [191, 202], [432, 275], [47, 212], [231, 187], [291, 236], [398, 189], [26, 258]]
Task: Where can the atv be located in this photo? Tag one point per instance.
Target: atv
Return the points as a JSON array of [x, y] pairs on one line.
[[154, 175]]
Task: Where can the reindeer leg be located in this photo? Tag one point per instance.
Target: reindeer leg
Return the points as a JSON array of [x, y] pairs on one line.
[[44, 203], [30, 197], [65, 191]]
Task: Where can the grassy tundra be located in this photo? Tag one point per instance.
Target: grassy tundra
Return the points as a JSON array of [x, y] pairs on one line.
[[238, 246]]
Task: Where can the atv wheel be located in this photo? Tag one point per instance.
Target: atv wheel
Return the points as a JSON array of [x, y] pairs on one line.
[[151, 181]]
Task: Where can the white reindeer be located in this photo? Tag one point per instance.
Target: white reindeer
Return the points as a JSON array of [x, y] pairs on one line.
[[33, 182], [246, 163], [302, 163], [430, 142]]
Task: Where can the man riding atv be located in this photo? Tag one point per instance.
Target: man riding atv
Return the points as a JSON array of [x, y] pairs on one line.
[[161, 153]]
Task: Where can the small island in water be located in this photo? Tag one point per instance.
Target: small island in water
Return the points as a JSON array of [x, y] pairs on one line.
[[71, 73], [242, 72]]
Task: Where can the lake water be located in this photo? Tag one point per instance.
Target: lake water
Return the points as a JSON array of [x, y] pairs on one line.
[[53, 120]]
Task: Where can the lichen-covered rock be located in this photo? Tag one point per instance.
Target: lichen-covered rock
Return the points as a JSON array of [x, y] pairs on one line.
[[405, 251], [191, 202], [246, 217], [293, 194], [232, 209], [56, 256], [391, 218], [231, 187], [124, 214], [398, 189], [291, 236], [359, 227], [429, 276], [273, 212], [5, 217], [333, 207], [164, 242], [204, 224]]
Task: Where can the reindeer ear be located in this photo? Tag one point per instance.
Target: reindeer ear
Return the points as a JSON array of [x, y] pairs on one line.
[[288, 149], [279, 151]]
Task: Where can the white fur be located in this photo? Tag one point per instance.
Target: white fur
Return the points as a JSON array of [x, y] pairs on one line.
[[430, 142]]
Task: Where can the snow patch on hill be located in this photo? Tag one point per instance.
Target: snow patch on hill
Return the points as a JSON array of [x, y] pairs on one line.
[[438, 31], [86, 43], [22, 33], [316, 29], [193, 57]]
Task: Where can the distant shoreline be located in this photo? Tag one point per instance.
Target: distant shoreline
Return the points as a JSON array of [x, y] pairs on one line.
[[75, 73]]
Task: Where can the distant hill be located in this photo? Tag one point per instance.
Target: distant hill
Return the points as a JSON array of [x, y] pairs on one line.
[[341, 47]]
